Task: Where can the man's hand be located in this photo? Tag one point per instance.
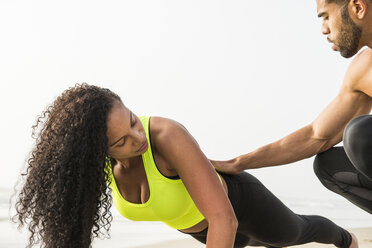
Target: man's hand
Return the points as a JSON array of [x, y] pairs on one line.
[[227, 166]]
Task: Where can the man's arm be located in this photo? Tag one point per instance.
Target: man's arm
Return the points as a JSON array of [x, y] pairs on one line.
[[326, 130]]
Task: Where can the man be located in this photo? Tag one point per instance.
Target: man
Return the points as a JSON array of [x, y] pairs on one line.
[[345, 170]]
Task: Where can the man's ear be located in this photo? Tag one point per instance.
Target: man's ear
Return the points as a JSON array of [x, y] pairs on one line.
[[358, 8]]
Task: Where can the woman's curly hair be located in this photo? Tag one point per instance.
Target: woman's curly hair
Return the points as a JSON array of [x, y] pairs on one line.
[[65, 199]]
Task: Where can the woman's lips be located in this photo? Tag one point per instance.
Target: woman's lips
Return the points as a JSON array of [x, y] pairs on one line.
[[143, 147]]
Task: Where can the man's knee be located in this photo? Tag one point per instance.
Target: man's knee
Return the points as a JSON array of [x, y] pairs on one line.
[[358, 134], [358, 143]]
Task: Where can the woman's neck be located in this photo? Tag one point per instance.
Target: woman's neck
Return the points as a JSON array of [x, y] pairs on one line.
[[130, 163]]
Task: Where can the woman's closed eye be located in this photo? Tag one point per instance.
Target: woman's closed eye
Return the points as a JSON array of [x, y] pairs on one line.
[[122, 143], [133, 122]]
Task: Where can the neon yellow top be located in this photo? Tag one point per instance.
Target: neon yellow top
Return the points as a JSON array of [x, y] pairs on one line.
[[169, 200]]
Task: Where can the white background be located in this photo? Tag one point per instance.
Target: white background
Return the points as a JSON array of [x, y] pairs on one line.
[[237, 74]]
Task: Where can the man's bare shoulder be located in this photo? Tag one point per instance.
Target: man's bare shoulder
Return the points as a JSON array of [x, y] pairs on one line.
[[362, 62], [364, 57], [359, 73]]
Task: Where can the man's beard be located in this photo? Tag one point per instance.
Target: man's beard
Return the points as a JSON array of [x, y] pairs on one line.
[[349, 37]]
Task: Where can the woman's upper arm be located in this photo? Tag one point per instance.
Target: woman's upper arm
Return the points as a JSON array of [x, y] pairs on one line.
[[179, 149]]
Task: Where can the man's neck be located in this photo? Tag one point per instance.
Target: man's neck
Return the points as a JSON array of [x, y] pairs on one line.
[[366, 39], [368, 30], [369, 44]]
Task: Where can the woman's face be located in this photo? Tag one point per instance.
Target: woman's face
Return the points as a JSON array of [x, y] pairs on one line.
[[126, 135]]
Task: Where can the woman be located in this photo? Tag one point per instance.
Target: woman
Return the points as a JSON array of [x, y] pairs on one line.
[[156, 171]]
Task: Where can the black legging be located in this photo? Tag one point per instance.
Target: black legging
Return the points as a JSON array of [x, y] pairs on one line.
[[265, 221], [348, 170]]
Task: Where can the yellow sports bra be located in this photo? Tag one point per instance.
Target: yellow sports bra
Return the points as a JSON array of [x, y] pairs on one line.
[[169, 200]]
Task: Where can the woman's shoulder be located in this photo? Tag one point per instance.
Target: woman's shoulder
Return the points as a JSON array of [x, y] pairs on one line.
[[161, 126], [165, 132]]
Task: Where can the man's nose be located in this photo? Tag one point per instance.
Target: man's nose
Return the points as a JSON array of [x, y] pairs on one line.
[[325, 29]]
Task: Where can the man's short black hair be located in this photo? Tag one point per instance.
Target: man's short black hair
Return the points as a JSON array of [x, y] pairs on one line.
[[340, 2]]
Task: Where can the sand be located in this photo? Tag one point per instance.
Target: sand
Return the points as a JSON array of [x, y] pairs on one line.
[[138, 235], [364, 236]]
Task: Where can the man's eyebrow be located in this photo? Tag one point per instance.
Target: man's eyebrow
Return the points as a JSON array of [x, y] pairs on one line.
[[321, 14], [130, 121]]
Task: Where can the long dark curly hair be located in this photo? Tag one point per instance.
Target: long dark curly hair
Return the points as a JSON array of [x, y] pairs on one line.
[[65, 198]]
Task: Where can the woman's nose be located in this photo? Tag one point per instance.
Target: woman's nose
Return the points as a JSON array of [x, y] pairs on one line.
[[137, 136]]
